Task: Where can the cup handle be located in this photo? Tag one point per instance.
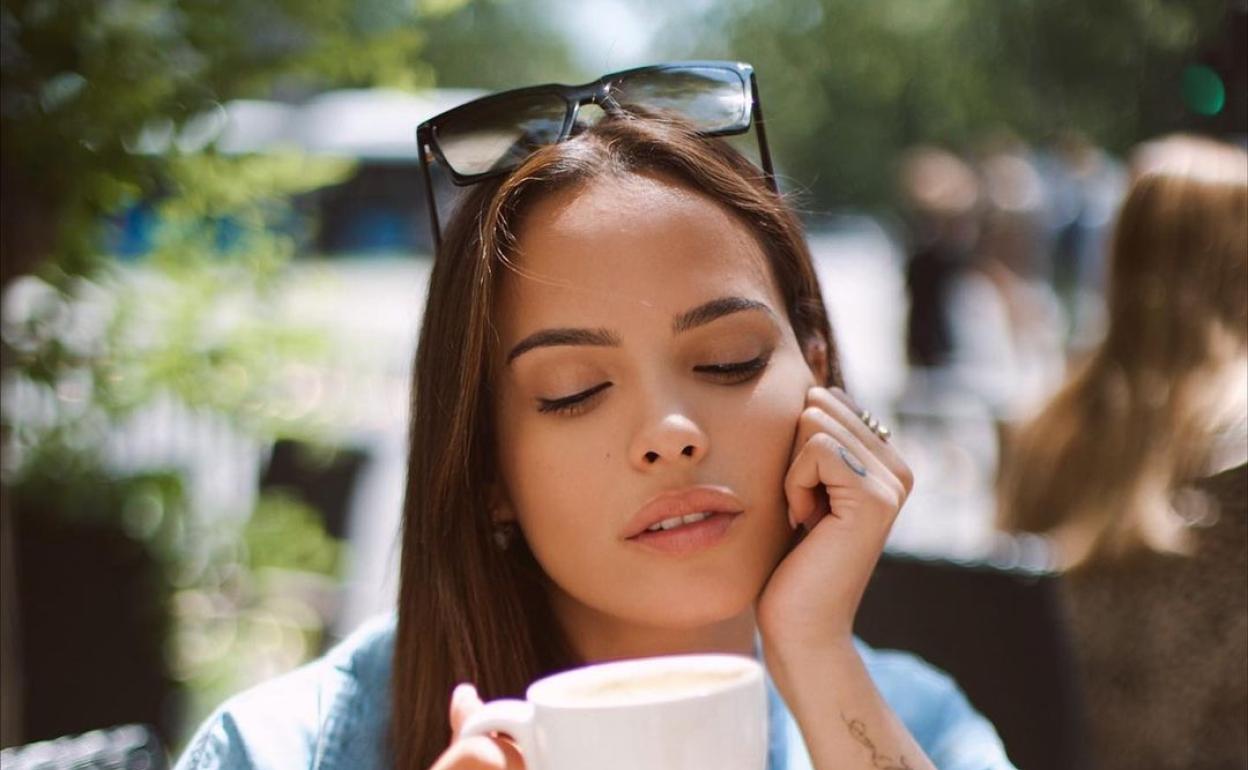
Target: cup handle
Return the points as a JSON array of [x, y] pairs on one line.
[[513, 717]]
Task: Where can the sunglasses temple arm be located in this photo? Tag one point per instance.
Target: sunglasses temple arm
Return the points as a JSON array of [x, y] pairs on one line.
[[760, 131], [433, 203]]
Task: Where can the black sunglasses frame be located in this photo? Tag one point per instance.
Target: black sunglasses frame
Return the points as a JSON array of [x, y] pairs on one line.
[[597, 93]]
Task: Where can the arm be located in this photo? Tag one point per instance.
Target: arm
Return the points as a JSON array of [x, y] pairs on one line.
[[844, 487]]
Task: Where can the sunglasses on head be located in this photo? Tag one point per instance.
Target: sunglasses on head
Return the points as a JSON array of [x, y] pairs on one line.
[[493, 135]]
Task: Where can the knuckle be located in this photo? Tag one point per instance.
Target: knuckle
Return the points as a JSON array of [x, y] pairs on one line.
[[824, 441], [839, 395], [821, 397], [813, 415]]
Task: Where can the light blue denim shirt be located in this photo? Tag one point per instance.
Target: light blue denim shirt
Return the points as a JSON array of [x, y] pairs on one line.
[[333, 713]]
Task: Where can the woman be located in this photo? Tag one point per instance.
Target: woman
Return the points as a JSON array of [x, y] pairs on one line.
[[1136, 469], [622, 324]]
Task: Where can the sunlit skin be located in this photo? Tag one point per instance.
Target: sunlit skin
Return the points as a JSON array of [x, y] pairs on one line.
[[628, 256]]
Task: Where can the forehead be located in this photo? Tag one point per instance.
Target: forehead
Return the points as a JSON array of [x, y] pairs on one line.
[[637, 248]]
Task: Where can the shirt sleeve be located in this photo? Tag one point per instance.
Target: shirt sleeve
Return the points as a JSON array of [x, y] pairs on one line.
[[944, 723], [278, 725], [216, 745], [330, 714]]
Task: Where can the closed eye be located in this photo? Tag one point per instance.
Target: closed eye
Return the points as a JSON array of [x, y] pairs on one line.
[[731, 373], [572, 403], [741, 371]]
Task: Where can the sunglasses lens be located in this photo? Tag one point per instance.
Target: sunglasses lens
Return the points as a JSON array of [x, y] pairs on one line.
[[711, 98], [500, 134]]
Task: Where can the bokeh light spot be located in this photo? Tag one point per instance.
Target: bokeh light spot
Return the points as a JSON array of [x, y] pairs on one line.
[[1203, 90]]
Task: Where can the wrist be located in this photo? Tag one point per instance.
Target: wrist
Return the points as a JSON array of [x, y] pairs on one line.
[[793, 663], [805, 641]]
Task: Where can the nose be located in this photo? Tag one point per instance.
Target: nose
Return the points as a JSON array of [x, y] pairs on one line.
[[672, 438]]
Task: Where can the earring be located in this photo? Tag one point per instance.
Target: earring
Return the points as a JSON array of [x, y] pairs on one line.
[[504, 533]]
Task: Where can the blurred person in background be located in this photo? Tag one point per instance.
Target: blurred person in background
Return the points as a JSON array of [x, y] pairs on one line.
[[984, 331], [940, 193], [628, 314], [1085, 186], [1137, 471], [1019, 337]]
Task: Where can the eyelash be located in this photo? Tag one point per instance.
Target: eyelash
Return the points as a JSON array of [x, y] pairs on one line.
[[742, 371], [733, 374], [570, 404]]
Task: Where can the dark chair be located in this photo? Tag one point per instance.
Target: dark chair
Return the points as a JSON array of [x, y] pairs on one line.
[[93, 625], [999, 633], [127, 747]]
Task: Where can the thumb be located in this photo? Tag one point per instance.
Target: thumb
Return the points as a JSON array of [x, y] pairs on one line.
[[464, 703]]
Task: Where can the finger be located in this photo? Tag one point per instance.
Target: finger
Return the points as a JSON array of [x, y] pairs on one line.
[[815, 419], [480, 753], [823, 463], [464, 703], [842, 406], [860, 459]]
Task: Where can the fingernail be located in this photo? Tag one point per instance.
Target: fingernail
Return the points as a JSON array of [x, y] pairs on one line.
[[464, 692], [792, 521]]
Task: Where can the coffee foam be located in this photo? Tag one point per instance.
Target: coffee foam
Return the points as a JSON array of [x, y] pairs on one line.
[[623, 688]]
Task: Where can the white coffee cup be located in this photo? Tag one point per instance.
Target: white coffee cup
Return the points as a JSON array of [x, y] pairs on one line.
[[678, 712]]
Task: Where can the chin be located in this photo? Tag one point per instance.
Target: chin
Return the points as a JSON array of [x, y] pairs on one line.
[[698, 604]]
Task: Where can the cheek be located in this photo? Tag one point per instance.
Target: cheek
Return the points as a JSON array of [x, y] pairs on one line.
[[760, 441], [555, 474], [568, 493], [762, 431]]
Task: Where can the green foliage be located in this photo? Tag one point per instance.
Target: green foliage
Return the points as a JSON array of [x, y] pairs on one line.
[[500, 44], [90, 87], [284, 533], [200, 322], [226, 235], [148, 507], [255, 606], [1109, 68], [846, 85], [82, 79]]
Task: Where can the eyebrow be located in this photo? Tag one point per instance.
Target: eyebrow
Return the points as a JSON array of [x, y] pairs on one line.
[[717, 308], [690, 319]]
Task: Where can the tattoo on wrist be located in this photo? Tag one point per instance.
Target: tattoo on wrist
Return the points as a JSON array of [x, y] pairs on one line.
[[858, 731]]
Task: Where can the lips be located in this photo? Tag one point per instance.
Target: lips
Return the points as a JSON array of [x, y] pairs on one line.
[[681, 503]]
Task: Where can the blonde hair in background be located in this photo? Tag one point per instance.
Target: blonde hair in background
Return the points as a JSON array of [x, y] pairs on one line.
[[1099, 468]]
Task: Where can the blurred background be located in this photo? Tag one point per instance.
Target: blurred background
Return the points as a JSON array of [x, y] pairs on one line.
[[215, 246]]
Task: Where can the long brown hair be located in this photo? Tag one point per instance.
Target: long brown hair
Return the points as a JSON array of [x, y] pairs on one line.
[[1105, 458], [469, 611]]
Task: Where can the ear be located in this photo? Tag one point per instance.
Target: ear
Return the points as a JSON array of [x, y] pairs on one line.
[[815, 351]]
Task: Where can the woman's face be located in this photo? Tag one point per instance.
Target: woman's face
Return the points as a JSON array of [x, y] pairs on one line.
[[624, 261]]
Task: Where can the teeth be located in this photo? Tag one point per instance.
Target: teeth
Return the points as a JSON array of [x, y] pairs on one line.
[[676, 521]]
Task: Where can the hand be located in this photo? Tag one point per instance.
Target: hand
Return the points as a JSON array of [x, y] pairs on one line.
[[844, 487], [478, 752]]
